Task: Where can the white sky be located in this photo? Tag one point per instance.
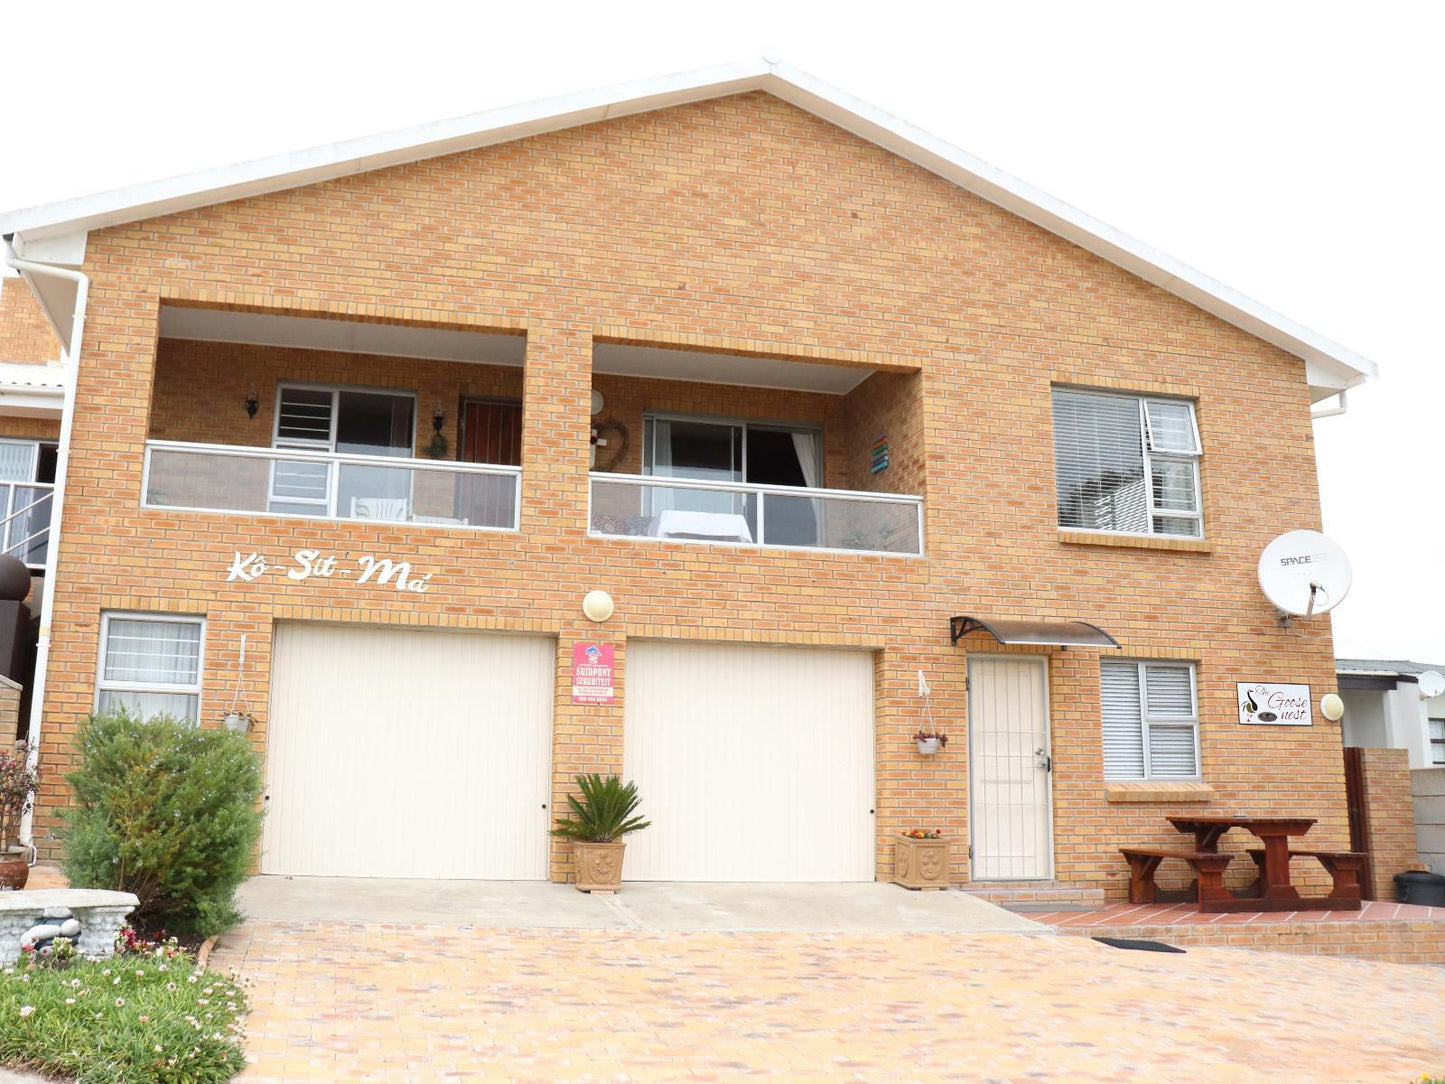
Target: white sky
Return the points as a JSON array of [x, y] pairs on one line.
[[1292, 150]]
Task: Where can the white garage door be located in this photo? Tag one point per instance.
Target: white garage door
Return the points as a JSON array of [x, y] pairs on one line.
[[407, 753], [754, 763]]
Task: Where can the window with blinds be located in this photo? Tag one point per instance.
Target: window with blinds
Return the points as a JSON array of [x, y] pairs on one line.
[[1125, 463], [150, 665], [1150, 718]]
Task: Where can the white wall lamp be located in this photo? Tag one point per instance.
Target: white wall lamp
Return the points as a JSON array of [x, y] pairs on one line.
[[597, 605], [1332, 707]]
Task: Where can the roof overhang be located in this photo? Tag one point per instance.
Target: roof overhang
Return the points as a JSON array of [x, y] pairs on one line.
[[31, 391], [1036, 633], [1330, 367]]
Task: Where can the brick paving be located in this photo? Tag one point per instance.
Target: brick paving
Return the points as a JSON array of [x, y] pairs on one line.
[[1171, 914], [337, 1001]]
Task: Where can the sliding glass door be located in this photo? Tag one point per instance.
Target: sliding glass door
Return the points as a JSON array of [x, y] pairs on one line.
[[735, 452]]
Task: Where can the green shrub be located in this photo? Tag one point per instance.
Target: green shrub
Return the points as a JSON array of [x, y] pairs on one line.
[[165, 810], [128, 1020]]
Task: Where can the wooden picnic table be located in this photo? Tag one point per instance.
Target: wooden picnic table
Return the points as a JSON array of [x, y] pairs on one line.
[[1276, 892]]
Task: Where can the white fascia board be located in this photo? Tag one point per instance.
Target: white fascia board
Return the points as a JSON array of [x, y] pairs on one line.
[[298, 168]]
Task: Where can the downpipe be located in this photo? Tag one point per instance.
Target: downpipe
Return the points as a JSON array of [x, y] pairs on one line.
[[70, 359]]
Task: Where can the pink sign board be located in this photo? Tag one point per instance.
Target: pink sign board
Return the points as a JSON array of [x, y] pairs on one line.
[[592, 673]]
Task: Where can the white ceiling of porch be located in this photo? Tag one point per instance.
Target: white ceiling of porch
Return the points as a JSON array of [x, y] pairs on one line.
[[393, 340]]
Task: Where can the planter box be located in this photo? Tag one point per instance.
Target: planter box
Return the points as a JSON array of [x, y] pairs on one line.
[[599, 866], [920, 863]]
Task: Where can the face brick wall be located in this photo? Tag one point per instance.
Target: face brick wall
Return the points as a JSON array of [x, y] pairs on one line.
[[784, 238], [25, 336]]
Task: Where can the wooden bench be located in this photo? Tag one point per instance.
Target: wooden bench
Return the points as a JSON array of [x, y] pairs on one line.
[[1208, 866], [1344, 867]]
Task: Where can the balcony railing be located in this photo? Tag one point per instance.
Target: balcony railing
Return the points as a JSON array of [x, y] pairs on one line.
[[646, 506], [321, 485], [25, 528]]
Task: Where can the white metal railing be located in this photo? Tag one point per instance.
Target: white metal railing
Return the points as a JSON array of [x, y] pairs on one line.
[[25, 530], [324, 485], [649, 506]]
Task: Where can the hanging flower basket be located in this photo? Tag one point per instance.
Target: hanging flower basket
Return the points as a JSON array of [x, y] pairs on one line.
[[930, 741]]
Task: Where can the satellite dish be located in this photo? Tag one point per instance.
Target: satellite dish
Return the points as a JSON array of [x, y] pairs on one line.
[[1303, 573], [1432, 684]]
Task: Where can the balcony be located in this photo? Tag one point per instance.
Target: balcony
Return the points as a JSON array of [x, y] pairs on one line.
[[26, 522], [328, 485], [788, 517]]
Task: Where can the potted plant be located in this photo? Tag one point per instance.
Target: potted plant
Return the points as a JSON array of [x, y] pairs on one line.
[[930, 741], [920, 859], [599, 819], [17, 791]]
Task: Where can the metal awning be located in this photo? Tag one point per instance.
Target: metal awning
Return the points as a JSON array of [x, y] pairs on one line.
[[1045, 633]]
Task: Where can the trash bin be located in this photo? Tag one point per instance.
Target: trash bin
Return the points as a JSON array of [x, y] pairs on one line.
[[1419, 886]]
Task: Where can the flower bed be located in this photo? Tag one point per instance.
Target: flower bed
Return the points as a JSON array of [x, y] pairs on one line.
[[151, 1016]]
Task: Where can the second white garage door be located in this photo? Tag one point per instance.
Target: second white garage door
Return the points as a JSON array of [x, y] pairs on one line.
[[408, 753], [754, 763]]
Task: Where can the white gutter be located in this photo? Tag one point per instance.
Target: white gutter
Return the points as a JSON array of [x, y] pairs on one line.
[[70, 358], [1332, 412]]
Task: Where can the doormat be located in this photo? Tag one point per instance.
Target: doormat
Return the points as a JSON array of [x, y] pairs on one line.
[[1138, 946]]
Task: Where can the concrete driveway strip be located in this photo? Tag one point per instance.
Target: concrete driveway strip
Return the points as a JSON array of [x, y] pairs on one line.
[[841, 908]]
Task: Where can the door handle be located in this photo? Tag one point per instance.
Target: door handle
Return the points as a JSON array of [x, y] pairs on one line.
[[1045, 761]]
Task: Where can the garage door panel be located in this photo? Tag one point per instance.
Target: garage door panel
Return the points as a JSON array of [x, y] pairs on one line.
[[408, 753], [754, 763]]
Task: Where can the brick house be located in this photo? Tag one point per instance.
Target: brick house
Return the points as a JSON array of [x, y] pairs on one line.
[[799, 387]]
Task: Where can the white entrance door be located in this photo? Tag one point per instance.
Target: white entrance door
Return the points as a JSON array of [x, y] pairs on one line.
[[408, 753], [1008, 768], [754, 763]]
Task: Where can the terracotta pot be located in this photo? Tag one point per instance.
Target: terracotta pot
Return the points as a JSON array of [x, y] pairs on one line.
[[14, 869], [599, 865], [920, 863]]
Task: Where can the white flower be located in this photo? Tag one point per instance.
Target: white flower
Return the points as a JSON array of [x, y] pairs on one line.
[[26, 1010], [191, 979], [70, 1001], [74, 982], [139, 972], [119, 1002]]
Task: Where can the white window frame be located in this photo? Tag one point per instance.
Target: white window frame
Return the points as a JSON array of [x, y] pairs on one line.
[[1145, 722], [1193, 457], [7, 507], [1437, 745], [327, 508], [102, 685]]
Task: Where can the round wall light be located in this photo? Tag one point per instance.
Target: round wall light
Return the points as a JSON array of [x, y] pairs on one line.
[[1332, 707], [597, 605], [597, 402]]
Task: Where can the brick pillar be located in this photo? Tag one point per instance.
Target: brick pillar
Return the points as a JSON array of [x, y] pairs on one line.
[[585, 737], [9, 713], [556, 428], [1389, 818]]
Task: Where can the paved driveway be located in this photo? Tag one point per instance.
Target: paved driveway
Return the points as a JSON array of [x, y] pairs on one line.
[[434, 1002]]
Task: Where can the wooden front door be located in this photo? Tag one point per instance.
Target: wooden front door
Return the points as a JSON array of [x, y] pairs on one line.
[[491, 433]]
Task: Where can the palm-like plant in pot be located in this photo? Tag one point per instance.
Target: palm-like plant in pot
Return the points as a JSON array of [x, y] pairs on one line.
[[605, 812], [17, 789]]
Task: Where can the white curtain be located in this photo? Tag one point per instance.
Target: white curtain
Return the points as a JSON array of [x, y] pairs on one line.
[[806, 446], [660, 500], [159, 652], [17, 462]]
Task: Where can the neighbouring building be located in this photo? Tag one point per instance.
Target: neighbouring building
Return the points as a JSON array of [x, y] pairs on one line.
[[858, 434], [1386, 708]]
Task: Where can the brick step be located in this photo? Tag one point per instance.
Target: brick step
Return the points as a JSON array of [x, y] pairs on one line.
[[1037, 895]]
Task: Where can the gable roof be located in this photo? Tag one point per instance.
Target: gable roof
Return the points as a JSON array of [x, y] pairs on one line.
[[1330, 366]]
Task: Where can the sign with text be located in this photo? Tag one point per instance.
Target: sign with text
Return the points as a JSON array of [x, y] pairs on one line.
[[1271, 704], [309, 564], [592, 673]]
